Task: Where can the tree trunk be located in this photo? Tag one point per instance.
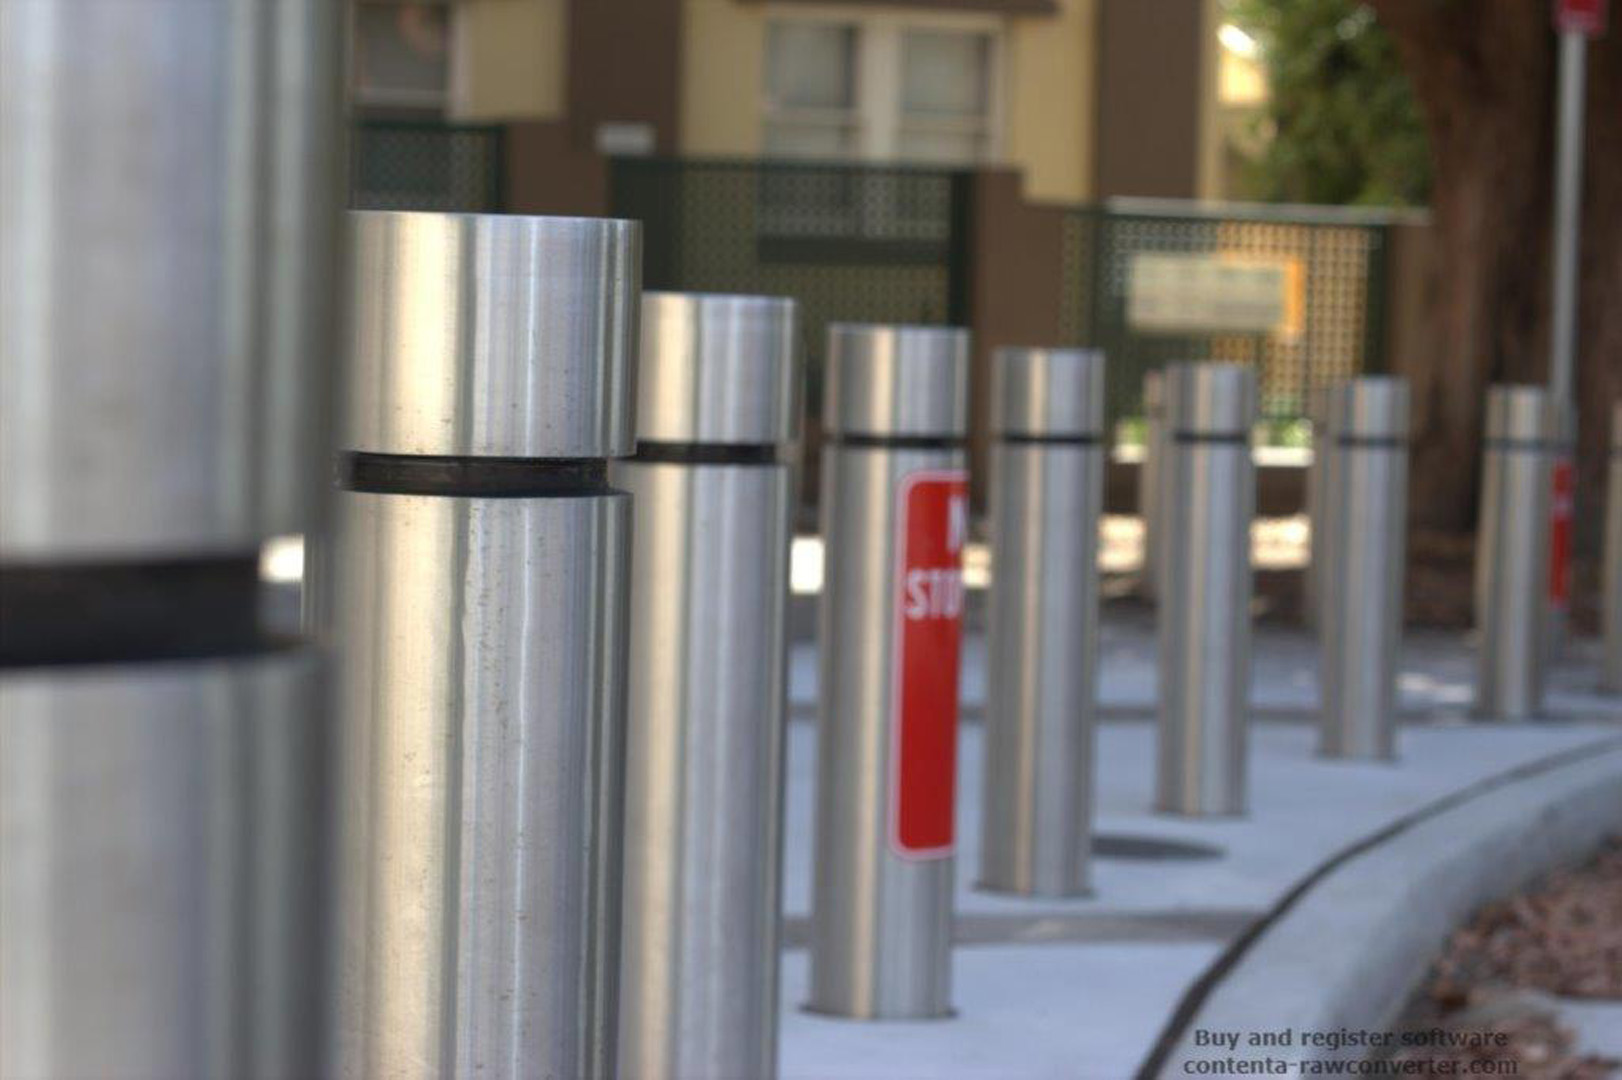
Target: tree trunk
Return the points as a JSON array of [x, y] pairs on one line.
[[1484, 73]]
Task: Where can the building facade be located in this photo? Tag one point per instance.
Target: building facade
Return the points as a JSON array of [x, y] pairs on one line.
[[1084, 99]]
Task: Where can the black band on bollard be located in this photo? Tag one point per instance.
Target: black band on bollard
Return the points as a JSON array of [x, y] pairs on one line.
[[1372, 442], [1527, 446], [684, 453], [1013, 438], [1214, 438], [899, 442], [473, 477], [131, 612]]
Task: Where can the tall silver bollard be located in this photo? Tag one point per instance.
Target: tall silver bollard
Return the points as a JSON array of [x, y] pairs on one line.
[[1047, 492], [1151, 492], [1319, 406], [481, 605], [895, 519], [1205, 612], [167, 231], [717, 416], [1367, 511], [1612, 679], [1512, 555]]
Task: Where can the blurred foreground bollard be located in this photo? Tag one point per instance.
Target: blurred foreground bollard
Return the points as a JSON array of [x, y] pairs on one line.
[[895, 520], [1366, 510], [1151, 488], [717, 416], [167, 239], [1047, 482], [481, 603], [1612, 599], [1512, 553], [1205, 610]]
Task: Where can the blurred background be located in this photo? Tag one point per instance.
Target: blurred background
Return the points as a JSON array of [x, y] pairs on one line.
[[1320, 187]]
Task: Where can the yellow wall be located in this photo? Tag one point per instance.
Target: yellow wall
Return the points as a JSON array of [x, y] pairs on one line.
[[510, 59], [722, 76], [1049, 105], [1047, 100]]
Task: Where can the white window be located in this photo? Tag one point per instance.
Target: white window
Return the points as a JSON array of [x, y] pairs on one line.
[[811, 74], [920, 89], [402, 54]]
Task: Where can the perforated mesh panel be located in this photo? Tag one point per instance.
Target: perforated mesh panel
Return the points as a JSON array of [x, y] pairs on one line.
[[410, 166], [1334, 288], [850, 243]]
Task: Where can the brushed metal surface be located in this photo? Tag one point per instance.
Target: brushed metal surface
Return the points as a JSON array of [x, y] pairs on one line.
[[1319, 409], [717, 368], [1036, 833], [704, 760], [881, 925], [896, 380], [1612, 599], [1512, 553], [169, 185], [496, 335], [1151, 484], [1204, 624], [1521, 413], [161, 870], [1048, 392], [1367, 511], [481, 768], [1046, 498]]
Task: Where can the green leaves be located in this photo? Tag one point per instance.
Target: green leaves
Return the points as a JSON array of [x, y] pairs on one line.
[[1342, 125]]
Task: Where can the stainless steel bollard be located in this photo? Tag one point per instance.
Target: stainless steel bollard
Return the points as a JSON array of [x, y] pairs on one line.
[[167, 228], [1046, 496], [1612, 600], [895, 519], [717, 417], [1205, 614], [1361, 631], [481, 602], [1150, 488], [1512, 555], [1319, 408]]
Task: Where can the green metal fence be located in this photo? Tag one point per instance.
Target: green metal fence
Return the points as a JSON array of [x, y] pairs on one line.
[[852, 243], [1297, 291], [411, 165]]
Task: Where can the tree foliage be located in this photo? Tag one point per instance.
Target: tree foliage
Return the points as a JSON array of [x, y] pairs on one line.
[[1342, 124]]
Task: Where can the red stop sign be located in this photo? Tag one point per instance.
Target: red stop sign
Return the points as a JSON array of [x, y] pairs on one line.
[[1580, 16]]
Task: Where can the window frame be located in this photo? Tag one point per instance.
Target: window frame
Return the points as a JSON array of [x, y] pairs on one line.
[[877, 114]]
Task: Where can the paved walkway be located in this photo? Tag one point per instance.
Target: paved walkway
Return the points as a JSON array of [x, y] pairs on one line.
[[1081, 989]]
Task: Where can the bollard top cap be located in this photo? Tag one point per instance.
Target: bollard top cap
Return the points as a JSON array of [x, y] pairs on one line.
[[718, 369], [1524, 414], [1213, 400], [1371, 407], [1048, 392], [492, 335], [888, 381]]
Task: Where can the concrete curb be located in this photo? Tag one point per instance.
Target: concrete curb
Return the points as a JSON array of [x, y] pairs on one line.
[[1347, 948]]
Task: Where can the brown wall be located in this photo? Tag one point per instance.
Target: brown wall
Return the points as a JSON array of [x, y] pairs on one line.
[[544, 171], [1015, 263], [1150, 54], [625, 66]]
